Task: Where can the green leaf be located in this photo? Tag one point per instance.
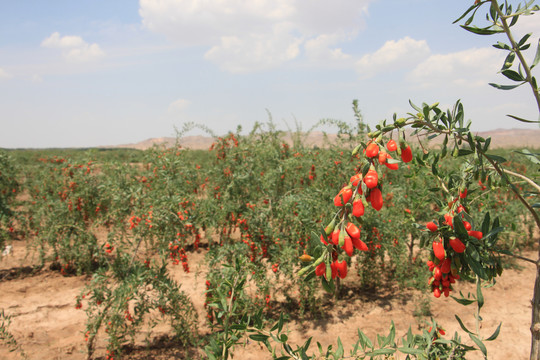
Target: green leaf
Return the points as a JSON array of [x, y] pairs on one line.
[[415, 107], [494, 232], [327, 285], [512, 75], [479, 296], [474, 261], [506, 87], [258, 337], [462, 325], [392, 335], [486, 144], [537, 57], [485, 223], [239, 327], [524, 39], [496, 158], [480, 344], [280, 322], [364, 340], [288, 349], [495, 334], [339, 351], [523, 120], [502, 46], [481, 31], [309, 276], [411, 351], [473, 7], [463, 301], [381, 352], [464, 152], [509, 61]]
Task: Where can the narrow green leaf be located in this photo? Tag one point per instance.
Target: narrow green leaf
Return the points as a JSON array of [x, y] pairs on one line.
[[524, 39], [392, 335], [523, 120], [479, 295], [506, 87], [459, 228], [479, 343], [494, 232], [509, 61], [280, 322], [366, 342], [288, 349], [466, 13], [514, 20], [463, 301], [415, 107], [512, 75], [464, 152], [410, 351], [496, 158], [537, 57], [486, 144], [239, 327], [502, 46], [327, 285], [481, 31], [258, 337], [462, 325], [495, 334], [339, 351], [381, 352]]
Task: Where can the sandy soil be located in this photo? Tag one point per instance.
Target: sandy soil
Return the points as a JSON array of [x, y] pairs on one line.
[[47, 325]]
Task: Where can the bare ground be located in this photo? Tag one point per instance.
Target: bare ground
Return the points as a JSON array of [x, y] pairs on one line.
[[46, 324]]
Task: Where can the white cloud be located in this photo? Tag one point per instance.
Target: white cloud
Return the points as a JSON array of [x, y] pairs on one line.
[[468, 68], [254, 35], [178, 105], [256, 52], [321, 48], [36, 78], [4, 74], [393, 55], [74, 48], [55, 41]]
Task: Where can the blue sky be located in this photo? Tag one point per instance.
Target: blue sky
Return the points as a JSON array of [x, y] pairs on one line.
[[96, 73]]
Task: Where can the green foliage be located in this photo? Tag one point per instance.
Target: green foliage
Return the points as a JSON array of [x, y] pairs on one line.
[[6, 337], [132, 296]]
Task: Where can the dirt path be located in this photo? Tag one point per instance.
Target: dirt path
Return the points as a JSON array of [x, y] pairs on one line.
[[47, 325]]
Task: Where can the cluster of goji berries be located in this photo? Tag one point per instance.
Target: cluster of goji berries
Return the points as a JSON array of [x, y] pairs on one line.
[[134, 221], [208, 296], [108, 248], [364, 188], [445, 262], [177, 255]]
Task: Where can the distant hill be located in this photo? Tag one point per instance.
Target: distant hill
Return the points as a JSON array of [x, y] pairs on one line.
[[500, 138]]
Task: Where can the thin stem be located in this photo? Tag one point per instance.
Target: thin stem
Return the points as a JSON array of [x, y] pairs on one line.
[[522, 258], [515, 48], [227, 318], [493, 163], [529, 181]]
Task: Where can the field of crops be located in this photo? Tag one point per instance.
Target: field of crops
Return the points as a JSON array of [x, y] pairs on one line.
[[174, 252]]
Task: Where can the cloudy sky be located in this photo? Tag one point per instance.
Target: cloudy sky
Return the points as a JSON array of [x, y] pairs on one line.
[[105, 72]]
